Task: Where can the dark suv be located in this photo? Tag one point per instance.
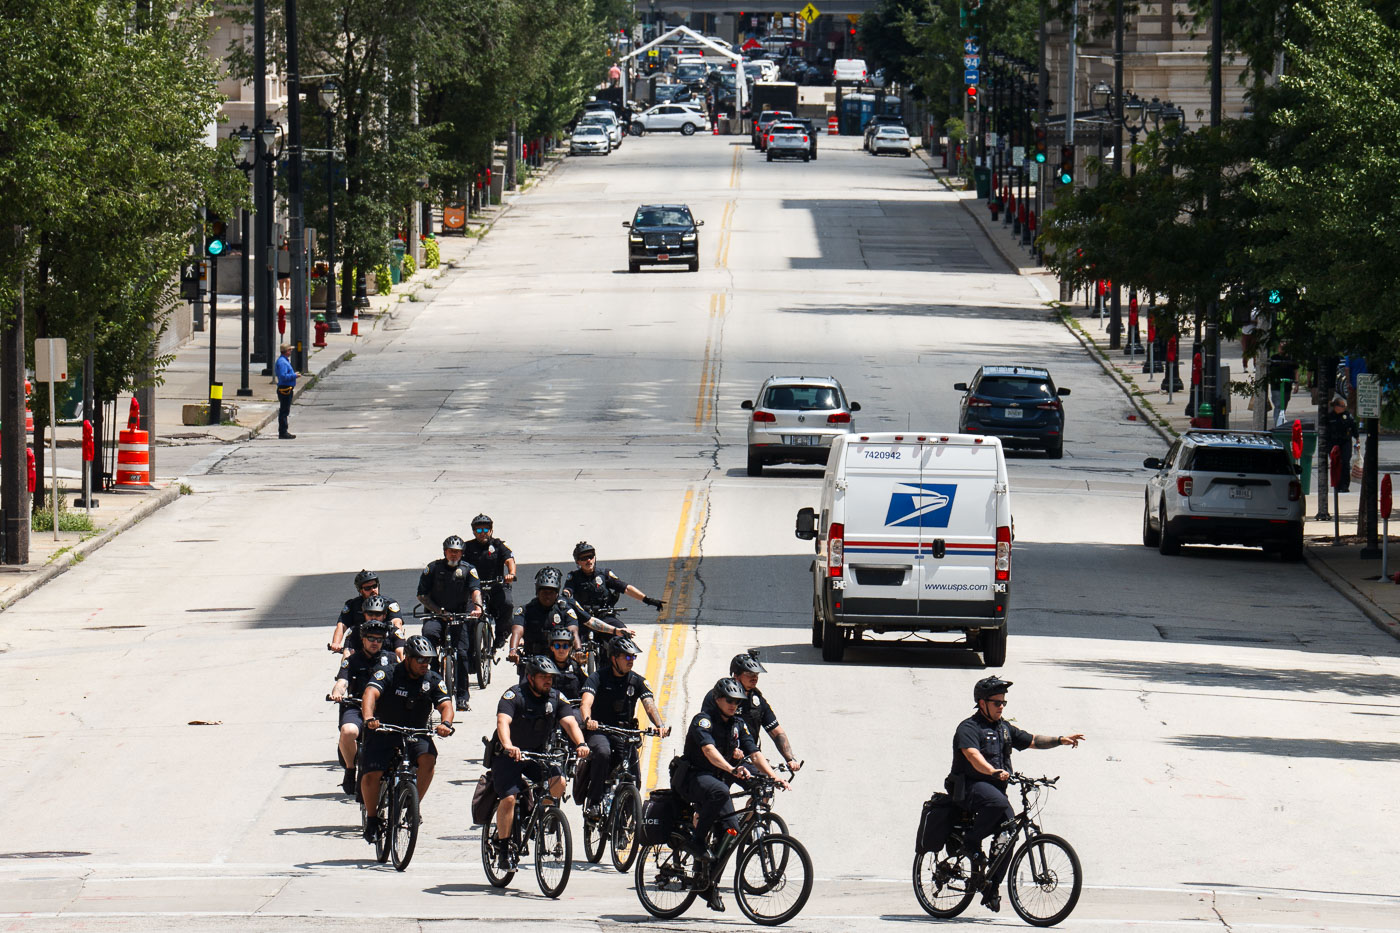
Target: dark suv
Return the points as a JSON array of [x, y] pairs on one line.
[[663, 234], [1018, 404]]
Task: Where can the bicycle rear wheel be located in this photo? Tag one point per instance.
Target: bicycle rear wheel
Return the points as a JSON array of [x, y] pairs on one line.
[[595, 839], [665, 880], [497, 877], [448, 659], [554, 852], [769, 895], [623, 822], [403, 823], [381, 840], [944, 886], [485, 643], [1044, 880]]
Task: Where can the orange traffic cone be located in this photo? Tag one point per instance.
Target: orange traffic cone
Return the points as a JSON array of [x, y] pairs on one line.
[[28, 412], [714, 126], [355, 323]]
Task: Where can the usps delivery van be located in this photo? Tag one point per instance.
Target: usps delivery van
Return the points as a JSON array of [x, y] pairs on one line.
[[913, 535]]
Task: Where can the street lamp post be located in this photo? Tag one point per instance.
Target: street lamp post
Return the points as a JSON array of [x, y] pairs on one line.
[[270, 139], [247, 161], [329, 96], [1134, 112]]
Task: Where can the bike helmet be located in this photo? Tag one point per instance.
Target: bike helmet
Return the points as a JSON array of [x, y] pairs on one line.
[[374, 627], [419, 647], [365, 576], [374, 604], [727, 688], [549, 578], [453, 541], [582, 548], [483, 520], [989, 687], [561, 634], [745, 664], [622, 645], [539, 664]]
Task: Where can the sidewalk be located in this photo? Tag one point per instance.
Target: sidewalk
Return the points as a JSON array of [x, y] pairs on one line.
[[1341, 565], [186, 381]]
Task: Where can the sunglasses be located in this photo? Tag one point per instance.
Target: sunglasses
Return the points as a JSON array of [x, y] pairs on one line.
[[628, 657], [369, 586], [584, 557], [562, 644], [997, 703], [480, 531], [371, 638]]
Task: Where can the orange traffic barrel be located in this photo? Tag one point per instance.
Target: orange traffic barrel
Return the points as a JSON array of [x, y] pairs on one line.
[[28, 412], [133, 460], [833, 126]]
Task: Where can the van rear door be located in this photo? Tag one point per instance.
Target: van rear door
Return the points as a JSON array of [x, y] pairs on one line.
[[956, 509], [881, 555]]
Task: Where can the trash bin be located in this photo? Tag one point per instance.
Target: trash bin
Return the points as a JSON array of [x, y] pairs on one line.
[[983, 178], [396, 250], [1284, 436]]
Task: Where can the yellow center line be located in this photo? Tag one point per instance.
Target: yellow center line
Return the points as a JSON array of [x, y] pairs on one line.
[[734, 168], [709, 365]]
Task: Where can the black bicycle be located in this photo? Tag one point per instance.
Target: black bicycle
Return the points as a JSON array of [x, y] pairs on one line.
[[485, 638], [595, 643], [620, 811], [398, 796], [538, 819], [772, 875], [452, 623], [1043, 876]]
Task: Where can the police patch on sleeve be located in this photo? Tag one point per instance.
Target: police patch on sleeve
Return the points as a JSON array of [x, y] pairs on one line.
[[519, 611], [475, 575], [442, 686], [756, 700], [612, 575], [393, 607], [703, 723], [344, 663], [378, 675], [508, 695]]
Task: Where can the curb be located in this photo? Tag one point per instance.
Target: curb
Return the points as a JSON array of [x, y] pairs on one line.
[[81, 550], [1107, 367], [1378, 616], [1009, 257]]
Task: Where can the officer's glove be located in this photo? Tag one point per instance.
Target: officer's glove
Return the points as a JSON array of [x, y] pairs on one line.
[[653, 602]]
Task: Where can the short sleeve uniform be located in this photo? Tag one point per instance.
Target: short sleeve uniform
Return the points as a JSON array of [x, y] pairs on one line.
[[758, 715], [995, 741], [402, 700], [533, 721], [596, 591], [708, 727], [615, 698], [356, 671]]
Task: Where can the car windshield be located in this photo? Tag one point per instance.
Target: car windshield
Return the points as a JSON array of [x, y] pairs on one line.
[[787, 128], [592, 129], [1271, 461], [661, 217], [801, 398], [1016, 387], [893, 131]]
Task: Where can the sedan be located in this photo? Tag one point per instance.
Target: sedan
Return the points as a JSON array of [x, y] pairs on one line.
[[589, 138], [606, 119], [892, 139], [795, 419], [663, 234], [788, 141]]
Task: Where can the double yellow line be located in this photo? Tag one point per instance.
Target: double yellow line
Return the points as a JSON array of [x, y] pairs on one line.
[[710, 365], [675, 622], [726, 234]]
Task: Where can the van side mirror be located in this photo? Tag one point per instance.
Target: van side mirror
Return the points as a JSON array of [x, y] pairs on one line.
[[960, 386], [627, 223], [1062, 392], [855, 406], [699, 223], [1152, 463], [746, 405], [806, 524]]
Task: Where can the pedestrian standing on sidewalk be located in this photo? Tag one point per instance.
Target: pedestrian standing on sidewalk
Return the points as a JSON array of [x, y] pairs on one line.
[[286, 386], [1340, 431], [1283, 376]]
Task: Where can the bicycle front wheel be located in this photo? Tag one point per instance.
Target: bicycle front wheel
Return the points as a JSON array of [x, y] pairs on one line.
[[1044, 880], [626, 816], [403, 823], [665, 880], [595, 839], [944, 886], [449, 670], [498, 877], [381, 840], [769, 894], [770, 824], [485, 644], [554, 852]]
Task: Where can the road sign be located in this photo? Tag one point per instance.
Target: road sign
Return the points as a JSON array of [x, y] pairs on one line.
[[972, 61], [970, 46], [970, 76], [1368, 395], [51, 367], [809, 13]]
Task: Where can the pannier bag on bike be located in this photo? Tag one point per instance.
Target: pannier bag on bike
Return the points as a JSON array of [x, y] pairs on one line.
[[484, 800], [661, 815], [581, 782], [935, 823]]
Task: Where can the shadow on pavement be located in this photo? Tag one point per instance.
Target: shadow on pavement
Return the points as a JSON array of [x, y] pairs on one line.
[[1291, 748], [1204, 674]]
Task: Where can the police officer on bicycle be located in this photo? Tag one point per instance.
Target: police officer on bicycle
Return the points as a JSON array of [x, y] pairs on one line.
[[551, 609], [404, 696], [757, 711], [982, 749], [569, 680], [345, 637], [708, 765], [526, 719], [598, 589], [493, 560], [610, 697], [451, 585], [355, 671]]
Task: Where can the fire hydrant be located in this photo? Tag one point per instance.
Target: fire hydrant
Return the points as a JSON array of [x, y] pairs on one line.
[[322, 328], [281, 320]]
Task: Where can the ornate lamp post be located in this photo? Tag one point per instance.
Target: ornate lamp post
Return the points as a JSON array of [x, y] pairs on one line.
[[271, 137], [247, 161], [329, 95]]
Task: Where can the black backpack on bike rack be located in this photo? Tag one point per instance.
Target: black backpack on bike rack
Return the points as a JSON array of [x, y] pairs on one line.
[[661, 816], [936, 823]]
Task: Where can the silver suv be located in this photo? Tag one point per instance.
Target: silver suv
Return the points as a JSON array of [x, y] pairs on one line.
[[795, 419], [1224, 487]]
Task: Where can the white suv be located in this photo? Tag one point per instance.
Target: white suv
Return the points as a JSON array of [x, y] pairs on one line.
[[849, 71], [795, 419], [1224, 487], [662, 117]]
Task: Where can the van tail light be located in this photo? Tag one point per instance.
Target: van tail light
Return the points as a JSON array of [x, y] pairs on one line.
[[843, 417], [1003, 553], [976, 402], [1184, 485], [1295, 490], [836, 549], [766, 417]]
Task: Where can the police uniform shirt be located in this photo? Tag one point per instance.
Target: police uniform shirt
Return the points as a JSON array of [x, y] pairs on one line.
[[533, 718], [358, 669], [994, 740], [615, 698], [450, 587], [569, 680], [537, 621], [600, 589], [405, 700], [489, 559], [352, 613], [758, 715], [710, 728]]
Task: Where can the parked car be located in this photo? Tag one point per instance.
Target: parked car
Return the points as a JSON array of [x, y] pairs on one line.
[[877, 121], [669, 117], [590, 138], [606, 119], [795, 419], [1224, 487], [810, 128], [1019, 404], [849, 71], [663, 234], [766, 119], [892, 140], [788, 141]]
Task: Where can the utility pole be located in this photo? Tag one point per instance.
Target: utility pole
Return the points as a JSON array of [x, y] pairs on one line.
[[14, 486], [1115, 316], [1210, 362], [262, 207], [1043, 106], [296, 234]]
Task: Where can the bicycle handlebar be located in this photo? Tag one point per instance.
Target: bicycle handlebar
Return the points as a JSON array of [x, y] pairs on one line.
[[405, 730], [1032, 782], [547, 757], [344, 701], [626, 733]]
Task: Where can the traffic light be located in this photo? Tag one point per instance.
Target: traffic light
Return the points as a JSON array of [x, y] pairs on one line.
[[1040, 154], [215, 239], [972, 96], [1066, 165], [1275, 296]]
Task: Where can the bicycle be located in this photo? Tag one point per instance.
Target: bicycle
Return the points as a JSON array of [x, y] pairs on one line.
[[669, 876], [398, 795], [537, 817], [1043, 876], [620, 809], [594, 643], [485, 639], [447, 647]]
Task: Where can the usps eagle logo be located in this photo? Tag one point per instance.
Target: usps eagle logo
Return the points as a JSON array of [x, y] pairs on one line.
[[921, 505]]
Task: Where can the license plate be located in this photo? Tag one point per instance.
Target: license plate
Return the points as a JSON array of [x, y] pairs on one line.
[[663, 256], [803, 440], [1241, 492], [1014, 413]]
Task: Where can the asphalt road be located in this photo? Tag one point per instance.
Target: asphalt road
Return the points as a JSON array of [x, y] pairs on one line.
[[1241, 717]]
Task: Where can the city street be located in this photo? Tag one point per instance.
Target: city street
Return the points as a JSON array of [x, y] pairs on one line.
[[169, 759]]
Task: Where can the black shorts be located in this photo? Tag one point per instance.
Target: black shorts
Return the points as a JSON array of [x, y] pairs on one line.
[[379, 750], [508, 775], [350, 715]]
